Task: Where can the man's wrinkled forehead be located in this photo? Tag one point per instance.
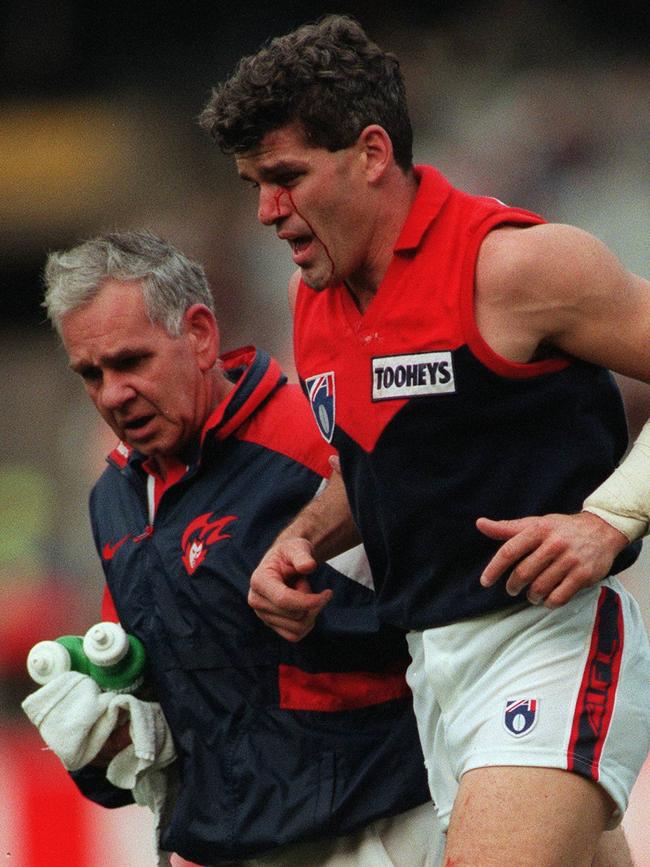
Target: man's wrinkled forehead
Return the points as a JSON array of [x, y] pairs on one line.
[[285, 145], [293, 131]]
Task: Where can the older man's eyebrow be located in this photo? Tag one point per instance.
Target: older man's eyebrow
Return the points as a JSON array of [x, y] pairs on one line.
[[110, 359]]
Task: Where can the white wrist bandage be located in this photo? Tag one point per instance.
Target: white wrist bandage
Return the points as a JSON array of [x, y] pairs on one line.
[[623, 500]]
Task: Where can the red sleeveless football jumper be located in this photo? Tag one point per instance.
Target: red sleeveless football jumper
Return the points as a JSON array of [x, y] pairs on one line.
[[433, 427]]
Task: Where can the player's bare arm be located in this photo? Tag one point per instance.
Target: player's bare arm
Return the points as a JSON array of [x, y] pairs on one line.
[[546, 288], [280, 593], [555, 287]]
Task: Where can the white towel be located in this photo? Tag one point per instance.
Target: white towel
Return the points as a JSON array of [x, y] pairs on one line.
[[74, 718]]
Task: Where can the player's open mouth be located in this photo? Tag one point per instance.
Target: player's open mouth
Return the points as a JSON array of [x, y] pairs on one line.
[[299, 247]]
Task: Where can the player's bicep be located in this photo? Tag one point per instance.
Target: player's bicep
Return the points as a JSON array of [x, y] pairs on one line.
[[570, 292], [604, 311]]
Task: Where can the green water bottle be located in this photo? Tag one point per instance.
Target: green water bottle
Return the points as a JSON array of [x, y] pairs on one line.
[[116, 660], [47, 659]]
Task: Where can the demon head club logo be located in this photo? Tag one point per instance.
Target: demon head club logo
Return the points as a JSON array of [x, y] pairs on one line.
[[199, 536]]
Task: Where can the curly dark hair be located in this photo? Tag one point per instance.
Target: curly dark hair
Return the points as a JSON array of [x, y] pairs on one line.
[[327, 76]]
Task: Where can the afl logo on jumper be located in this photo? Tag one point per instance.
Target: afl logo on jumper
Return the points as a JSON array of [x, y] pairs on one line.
[[320, 391], [520, 716], [423, 373], [199, 535]]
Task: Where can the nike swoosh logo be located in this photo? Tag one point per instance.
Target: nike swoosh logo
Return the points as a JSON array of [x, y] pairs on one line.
[[109, 550]]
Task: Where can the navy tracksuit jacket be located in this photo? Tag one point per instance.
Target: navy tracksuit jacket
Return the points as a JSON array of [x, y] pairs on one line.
[[277, 742]]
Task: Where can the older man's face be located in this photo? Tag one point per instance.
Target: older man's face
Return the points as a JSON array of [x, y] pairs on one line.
[[147, 385]]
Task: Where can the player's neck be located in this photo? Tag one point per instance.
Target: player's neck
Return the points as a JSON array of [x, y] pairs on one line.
[[387, 226], [361, 297]]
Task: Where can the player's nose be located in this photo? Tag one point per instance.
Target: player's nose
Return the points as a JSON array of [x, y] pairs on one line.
[[274, 204]]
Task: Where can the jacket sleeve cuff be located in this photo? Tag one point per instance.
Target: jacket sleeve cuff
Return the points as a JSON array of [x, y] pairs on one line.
[[92, 783]]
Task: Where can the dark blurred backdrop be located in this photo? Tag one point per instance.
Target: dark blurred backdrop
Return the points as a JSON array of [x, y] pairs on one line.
[[99, 100]]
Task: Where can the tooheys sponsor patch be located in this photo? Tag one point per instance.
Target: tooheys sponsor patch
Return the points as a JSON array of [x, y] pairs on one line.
[[398, 376]]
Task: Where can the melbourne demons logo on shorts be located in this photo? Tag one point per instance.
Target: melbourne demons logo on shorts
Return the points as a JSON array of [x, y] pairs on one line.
[[320, 391], [520, 716]]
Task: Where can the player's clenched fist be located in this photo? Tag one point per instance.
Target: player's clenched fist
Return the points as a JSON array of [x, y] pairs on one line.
[[281, 595]]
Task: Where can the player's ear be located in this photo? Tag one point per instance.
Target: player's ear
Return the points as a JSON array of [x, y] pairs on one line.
[[202, 329], [377, 151]]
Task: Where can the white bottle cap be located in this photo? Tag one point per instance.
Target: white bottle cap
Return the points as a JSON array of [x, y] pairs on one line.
[[105, 644], [46, 660]]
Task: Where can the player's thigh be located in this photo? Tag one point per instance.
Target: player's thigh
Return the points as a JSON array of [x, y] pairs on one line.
[[613, 850], [542, 817], [412, 839]]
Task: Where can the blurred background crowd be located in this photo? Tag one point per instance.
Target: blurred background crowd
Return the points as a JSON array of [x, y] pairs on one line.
[[541, 103]]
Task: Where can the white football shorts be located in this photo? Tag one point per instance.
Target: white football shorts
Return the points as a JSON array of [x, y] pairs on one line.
[[529, 686]]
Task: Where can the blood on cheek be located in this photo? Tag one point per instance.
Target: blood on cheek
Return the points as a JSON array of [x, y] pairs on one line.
[[283, 191]]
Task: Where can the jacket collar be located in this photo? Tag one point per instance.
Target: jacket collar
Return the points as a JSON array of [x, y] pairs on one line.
[[256, 376]]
